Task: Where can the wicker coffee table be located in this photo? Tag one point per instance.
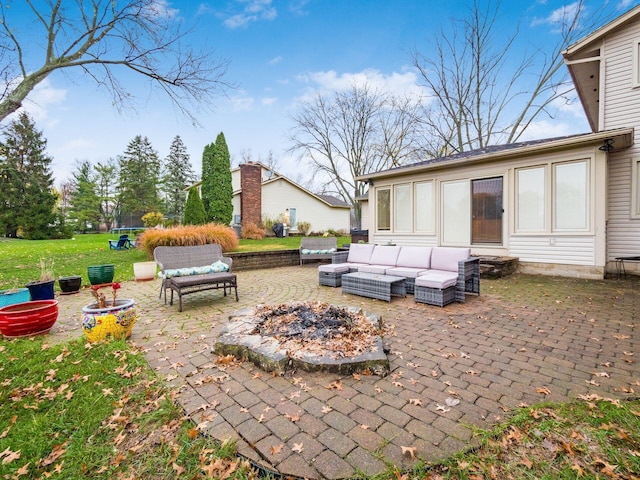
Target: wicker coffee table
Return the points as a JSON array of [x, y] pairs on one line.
[[373, 285]]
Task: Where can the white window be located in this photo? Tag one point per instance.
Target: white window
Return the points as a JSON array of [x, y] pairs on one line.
[[566, 184], [570, 181], [424, 207], [383, 209], [531, 199], [456, 213], [402, 208]]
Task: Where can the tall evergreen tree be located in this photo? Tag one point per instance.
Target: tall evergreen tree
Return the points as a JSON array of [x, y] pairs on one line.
[[138, 180], [194, 213], [178, 174], [208, 184], [217, 191], [106, 188], [26, 194], [85, 203]]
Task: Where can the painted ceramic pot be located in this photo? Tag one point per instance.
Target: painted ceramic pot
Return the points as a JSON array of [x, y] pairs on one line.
[[28, 318], [115, 321]]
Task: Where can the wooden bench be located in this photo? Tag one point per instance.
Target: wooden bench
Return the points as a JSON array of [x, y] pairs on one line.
[[184, 270], [317, 248]]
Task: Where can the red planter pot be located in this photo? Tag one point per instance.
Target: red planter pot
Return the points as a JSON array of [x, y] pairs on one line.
[[28, 318]]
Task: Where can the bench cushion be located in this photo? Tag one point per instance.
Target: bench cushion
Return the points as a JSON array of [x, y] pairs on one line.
[[439, 279], [307, 251], [447, 258], [415, 257], [215, 267]]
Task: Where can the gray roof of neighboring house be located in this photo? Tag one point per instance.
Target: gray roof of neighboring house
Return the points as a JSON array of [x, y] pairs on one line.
[[336, 202]]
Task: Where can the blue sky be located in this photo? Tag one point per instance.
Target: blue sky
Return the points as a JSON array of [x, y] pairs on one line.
[[280, 51]]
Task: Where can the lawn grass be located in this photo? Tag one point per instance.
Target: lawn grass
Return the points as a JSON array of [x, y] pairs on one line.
[[76, 411], [21, 258]]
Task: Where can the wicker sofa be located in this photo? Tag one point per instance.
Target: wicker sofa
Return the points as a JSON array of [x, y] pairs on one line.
[[435, 275], [317, 248], [190, 269]]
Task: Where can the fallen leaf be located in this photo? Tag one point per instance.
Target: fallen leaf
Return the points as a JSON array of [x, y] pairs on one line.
[[365, 427], [442, 408], [193, 433], [9, 456], [276, 449], [326, 409], [178, 469], [294, 418], [543, 390], [415, 401], [451, 402], [579, 471], [526, 462], [398, 384], [411, 451], [297, 447]]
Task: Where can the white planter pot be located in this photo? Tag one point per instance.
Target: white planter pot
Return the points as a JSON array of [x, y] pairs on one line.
[[144, 270]]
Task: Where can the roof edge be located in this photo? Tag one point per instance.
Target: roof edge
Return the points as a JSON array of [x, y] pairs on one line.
[[552, 144]]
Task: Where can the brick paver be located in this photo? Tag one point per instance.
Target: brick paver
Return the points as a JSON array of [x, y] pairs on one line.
[[492, 354]]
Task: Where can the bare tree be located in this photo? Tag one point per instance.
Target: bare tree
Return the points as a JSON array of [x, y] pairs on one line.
[[103, 38], [352, 133], [480, 96]]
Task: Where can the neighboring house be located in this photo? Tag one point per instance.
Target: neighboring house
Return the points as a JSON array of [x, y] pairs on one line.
[[260, 193], [565, 206]]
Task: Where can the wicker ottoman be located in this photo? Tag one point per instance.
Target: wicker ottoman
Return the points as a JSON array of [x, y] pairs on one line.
[[436, 288], [330, 275]]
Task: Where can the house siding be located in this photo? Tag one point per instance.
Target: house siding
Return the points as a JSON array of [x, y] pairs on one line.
[[621, 109], [579, 253], [280, 194]]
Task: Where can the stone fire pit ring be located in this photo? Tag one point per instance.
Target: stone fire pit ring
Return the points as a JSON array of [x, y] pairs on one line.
[[270, 337]]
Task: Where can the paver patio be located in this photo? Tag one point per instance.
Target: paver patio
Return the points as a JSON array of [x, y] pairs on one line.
[[493, 354]]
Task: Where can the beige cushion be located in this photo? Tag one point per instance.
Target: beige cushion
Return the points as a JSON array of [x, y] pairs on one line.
[[360, 253], [447, 258], [406, 272], [384, 255], [437, 279], [415, 257], [333, 267]]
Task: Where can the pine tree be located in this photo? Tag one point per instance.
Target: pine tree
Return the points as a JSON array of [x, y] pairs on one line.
[[138, 180], [217, 191], [178, 175], [27, 183], [85, 203], [106, 188], [194, 213]]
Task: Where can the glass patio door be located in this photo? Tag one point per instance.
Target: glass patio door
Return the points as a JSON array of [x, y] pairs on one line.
[[486, 210]]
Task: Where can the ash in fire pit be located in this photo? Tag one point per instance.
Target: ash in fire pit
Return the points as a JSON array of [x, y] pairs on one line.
[[309, 336]]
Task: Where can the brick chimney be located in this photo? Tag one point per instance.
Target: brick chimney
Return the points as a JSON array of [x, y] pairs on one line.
[[251, 197]]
